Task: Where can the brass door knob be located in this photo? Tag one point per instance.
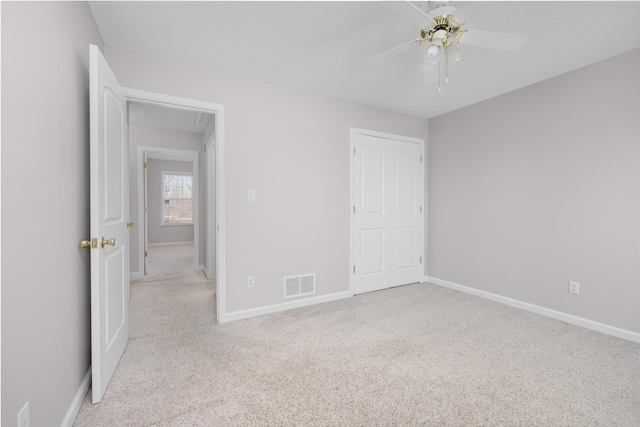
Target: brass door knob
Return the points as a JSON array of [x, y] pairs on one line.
[[129, 224], [110, 242], [93, 243]]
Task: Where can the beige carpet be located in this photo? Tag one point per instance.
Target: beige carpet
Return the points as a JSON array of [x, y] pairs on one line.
[[414, 355]]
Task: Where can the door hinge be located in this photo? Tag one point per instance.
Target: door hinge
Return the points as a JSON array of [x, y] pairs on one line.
[[420, 159], [420, 260], [145, 254], [420, 209], [146, 210], [205, 148], [354, 210], [354, 150], [145, 165], [354, 269]]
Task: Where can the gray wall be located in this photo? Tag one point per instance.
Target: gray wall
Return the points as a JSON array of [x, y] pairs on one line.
[[161, 138], [293, 148], [541, 186], [158, 233], [45, 207]]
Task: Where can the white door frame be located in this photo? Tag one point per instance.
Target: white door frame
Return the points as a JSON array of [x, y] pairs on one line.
[[210, 200], [352, 194], [218, 112], [145, 216], [175, 155]]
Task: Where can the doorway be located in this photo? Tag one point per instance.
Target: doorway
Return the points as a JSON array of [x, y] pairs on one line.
[[212, 161], [157, 205]]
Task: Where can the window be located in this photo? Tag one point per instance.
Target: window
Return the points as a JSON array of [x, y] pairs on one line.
[[177, 199]]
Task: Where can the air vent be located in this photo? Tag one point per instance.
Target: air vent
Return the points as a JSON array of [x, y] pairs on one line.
[[297, 286]]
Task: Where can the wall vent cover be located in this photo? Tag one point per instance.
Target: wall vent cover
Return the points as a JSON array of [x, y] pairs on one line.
[[297, 286]]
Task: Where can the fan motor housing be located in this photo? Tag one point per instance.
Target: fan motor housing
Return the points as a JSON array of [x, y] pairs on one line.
[[442, 30]]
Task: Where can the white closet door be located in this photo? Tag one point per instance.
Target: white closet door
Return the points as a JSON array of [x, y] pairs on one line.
[[371, 222], [405, 214], [388, 189]]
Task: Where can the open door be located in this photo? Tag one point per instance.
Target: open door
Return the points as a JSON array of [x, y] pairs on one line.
[[109, 216]]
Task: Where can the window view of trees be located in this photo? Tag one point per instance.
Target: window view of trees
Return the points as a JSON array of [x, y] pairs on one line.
[[178, 199]]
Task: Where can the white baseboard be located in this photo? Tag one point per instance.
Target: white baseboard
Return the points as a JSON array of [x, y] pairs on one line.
[[72, 413], [169, 243], [253, 312], [558, 315], [201, 268], [134, 274]]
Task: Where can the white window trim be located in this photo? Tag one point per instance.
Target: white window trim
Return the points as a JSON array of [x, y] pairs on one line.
[[175, 224]]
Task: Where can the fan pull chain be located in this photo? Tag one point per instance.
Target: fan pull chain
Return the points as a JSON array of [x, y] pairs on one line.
[[446, 64]]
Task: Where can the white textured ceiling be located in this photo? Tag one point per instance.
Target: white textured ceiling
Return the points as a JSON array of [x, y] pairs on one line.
[[319, 46]]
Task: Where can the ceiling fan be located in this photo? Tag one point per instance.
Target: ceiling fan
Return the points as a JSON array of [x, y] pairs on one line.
[[441, 32]]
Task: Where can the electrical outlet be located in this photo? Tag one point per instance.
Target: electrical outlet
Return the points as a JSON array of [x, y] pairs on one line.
[[574, 287], [250, 282], [23, 416]]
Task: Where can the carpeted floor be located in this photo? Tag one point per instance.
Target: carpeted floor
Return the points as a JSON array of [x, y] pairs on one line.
[[413, 355]]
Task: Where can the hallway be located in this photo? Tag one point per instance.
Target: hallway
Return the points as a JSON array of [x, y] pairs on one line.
[[173, 297]]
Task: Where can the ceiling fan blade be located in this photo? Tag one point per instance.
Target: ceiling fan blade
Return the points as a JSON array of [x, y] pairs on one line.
[[381, 57], [407, 11], [506, 42], [442, 10]]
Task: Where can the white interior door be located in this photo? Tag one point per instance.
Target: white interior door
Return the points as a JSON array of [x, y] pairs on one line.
[[109, 216], [406, 220], [388, 213], [371, 219]]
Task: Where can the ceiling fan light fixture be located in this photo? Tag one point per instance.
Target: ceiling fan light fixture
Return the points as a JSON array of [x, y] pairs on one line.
[[429, 67], [429, 78], [433, 59], [433, 51]]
